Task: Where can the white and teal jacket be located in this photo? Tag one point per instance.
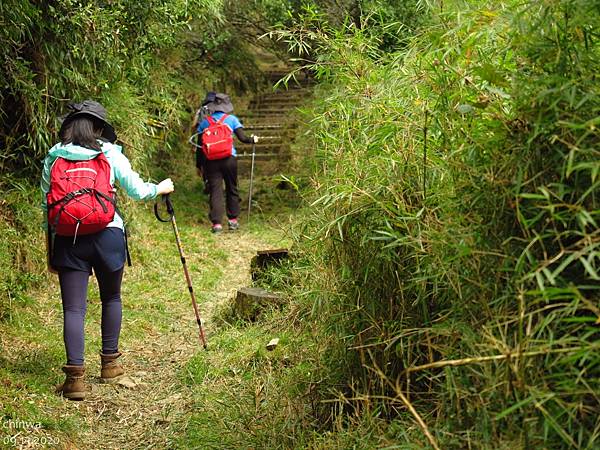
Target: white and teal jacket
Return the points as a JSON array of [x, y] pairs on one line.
[[120, 170]]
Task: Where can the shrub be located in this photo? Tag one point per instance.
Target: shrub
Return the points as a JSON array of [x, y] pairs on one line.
[[454, 212]]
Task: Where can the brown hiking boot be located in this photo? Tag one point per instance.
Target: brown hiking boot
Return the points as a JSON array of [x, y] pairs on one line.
[[74, 387], [111, 369]]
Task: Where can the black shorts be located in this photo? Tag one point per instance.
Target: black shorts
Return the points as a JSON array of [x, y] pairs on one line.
[[103, 251]]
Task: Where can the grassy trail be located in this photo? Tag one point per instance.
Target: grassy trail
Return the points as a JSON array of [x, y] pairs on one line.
[[154, 409], [152, 405]]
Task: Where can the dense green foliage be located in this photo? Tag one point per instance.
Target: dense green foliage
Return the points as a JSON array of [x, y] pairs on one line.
[[122, 53], [455, 207]]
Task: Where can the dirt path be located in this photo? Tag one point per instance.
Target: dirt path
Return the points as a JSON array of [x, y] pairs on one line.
[[136, 413], [150, 406]]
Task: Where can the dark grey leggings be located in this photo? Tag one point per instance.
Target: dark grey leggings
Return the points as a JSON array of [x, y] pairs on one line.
[[73, 289]]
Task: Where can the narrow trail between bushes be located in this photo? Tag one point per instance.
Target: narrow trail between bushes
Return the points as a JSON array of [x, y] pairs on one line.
[[150, 407], [151, 399]]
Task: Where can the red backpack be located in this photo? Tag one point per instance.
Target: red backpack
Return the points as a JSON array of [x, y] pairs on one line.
[[217, 141], [81, 199]]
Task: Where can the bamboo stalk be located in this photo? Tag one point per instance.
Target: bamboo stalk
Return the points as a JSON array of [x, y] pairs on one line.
[[399, 395], [417, 417], [465, 361]]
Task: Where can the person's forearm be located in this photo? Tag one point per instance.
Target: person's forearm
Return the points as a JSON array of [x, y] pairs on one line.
[[239, 132], [131, 181]]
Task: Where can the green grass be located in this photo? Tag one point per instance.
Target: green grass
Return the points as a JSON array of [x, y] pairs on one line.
[[246, 396]]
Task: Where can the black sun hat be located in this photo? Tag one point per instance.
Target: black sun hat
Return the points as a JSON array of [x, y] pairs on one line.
[[89, 108], [217, 102]]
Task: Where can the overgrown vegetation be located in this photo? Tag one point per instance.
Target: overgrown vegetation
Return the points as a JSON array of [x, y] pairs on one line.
[[444, 285], [452, 244]]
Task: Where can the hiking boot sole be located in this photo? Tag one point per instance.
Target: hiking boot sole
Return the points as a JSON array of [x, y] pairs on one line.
[[75, 396], [112, 380]]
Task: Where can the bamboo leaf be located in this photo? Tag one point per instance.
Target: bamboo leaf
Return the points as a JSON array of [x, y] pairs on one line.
[[514, 407]]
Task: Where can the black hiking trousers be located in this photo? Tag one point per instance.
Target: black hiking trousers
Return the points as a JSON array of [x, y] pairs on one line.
[[216, 172]]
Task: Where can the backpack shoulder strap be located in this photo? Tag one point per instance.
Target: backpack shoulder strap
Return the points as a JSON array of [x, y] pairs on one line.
[[210, 120], [222, 119], [101, 156]]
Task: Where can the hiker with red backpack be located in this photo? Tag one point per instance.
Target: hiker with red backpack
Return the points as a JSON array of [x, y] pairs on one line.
[[86, 231], [217, 158]]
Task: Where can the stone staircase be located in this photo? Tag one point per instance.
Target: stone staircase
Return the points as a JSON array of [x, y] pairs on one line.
[[271, 115]]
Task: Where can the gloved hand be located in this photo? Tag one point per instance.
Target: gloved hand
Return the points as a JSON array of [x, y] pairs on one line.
[[254, 138], [165, 187]]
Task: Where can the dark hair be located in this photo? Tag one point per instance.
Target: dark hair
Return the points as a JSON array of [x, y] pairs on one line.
[[82, 131]]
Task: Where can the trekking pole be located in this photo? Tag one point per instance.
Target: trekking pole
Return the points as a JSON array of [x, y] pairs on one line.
[[425, 156], [251, 179], [171, 213]]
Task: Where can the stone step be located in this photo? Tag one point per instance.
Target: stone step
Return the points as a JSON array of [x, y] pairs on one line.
[[258, 122], [268, 126], [258, 129], [275, 106], [266, 112], [267, 133], [283, 102], [291, 106], [286, 93], [276, 100], [279, 117], [274, 146], [244, 158], [262, 131], [269, 119]]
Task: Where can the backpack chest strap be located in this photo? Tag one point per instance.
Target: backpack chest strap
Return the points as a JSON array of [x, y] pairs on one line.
[[71, 195]]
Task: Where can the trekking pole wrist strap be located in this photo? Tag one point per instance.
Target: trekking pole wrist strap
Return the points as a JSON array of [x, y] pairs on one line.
[[169, 205]]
